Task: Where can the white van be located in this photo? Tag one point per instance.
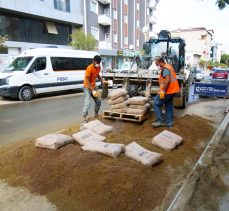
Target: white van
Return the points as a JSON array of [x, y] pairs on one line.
[[44, 70]]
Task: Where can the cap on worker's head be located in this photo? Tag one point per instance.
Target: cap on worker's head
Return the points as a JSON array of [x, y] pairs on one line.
[[160, 59], [97, 58]]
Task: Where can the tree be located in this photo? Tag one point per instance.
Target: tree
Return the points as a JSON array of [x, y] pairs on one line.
[[3, 39], [222, 3], [82, 41], [202, 63], [225, 59]]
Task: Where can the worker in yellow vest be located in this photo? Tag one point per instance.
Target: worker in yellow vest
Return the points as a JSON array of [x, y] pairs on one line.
[[168, 88]]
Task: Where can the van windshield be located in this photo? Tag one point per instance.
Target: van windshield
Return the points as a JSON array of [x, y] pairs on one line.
[[19, 64]]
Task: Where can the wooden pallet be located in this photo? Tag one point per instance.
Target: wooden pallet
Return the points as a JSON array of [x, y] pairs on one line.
[[124, 116]]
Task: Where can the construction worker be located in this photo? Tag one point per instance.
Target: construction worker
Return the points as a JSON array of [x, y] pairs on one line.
[[91, 74], [168, 88]]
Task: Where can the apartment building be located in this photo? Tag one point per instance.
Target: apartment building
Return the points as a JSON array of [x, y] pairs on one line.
[[117, 26], [199, 42], [38, 23]]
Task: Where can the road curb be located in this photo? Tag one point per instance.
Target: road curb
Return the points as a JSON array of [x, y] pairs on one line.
[[185, 192]]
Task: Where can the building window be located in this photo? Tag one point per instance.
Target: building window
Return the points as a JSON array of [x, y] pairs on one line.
[[3, 50], [125, 19], [107, 37], [125, 40], [106, 12], [137, 43], [94, 6], [138, 6], [62, 5], [115, 38], [115, 15], [26, 29], [51, 28], [138, 24], [95, 33]]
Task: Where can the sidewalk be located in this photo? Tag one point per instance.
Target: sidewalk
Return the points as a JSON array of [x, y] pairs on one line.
[[209, 175]]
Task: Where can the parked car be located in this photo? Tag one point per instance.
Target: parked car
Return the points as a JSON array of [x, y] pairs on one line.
[[199, 75], [220, 74]]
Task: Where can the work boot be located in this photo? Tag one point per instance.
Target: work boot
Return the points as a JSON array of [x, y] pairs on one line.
[[96, 115], [84, 120], [158, 124]]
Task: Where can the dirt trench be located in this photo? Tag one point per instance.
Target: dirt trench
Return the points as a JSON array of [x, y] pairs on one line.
[[76, 180]]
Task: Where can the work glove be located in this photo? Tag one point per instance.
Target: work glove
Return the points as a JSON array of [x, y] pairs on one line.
[[162, 95], [95, 93]]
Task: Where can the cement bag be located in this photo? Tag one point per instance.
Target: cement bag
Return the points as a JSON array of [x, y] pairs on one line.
[[53, 141], [138, 153], [138, 100], [117, 93], [117, 100], [104, 93], [135, 111], [167, 140], [87, 136], [119, 105], [98, 127], [121, 110], [142, 107], [113, 150]]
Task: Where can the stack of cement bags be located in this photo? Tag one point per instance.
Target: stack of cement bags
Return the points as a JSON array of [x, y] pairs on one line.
[[167, 140], [118, 101], [138, 105]]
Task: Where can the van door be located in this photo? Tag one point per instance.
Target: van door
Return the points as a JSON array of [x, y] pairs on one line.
[[39, 75]]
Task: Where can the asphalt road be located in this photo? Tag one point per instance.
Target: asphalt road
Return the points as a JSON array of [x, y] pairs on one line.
[[27, 120]]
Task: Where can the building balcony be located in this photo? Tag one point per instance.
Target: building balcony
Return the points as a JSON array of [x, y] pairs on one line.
[[152, 20], [104, 45], [104, 1], [153, 3], [104, 20], [152, 34]]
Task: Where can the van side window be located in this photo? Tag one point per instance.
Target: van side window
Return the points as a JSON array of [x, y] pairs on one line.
[[68, 63], [38, 64]]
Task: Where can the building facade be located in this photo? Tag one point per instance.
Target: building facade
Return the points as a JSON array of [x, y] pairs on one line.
[[199, 43], [39, 23], [116, 25]]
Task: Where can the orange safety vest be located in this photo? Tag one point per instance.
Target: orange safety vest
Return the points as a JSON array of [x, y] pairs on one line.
[[173, 85]]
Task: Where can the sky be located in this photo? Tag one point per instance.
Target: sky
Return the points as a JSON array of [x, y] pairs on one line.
[[174, 14]]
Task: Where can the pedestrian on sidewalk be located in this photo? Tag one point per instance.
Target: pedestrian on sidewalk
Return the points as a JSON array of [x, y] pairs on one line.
[[91, 74], [168, 88]]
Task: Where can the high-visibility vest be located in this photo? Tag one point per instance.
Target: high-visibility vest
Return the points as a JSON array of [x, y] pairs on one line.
[[173, 85]]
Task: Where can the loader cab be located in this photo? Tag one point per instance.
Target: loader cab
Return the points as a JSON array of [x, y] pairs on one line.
[[171, 49]]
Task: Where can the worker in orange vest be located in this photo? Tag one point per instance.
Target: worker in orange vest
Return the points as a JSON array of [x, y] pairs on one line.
[[91, 74], [168, 88]]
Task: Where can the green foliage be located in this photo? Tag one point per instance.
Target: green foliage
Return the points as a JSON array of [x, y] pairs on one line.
[[210, 64], [2, 41], [222, 3], [82, 41], [225, 59], [202, 63]]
